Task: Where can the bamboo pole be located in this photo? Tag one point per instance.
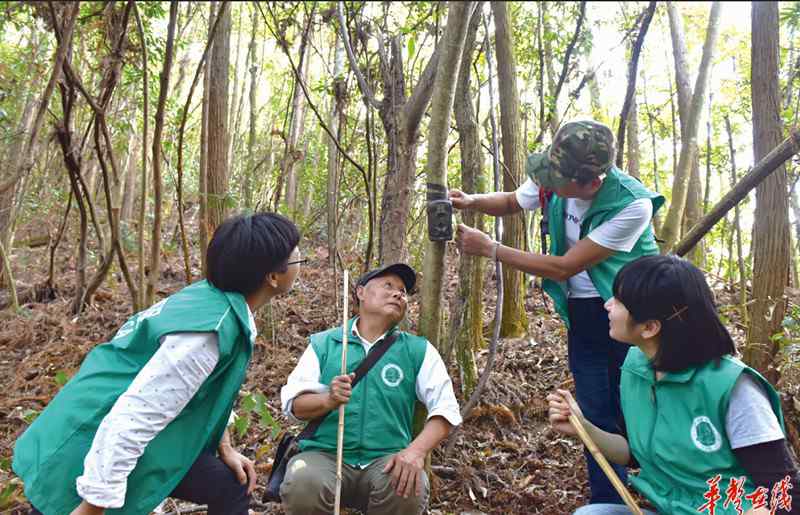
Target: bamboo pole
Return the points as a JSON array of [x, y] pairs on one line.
[[603, 462], [340, 435]]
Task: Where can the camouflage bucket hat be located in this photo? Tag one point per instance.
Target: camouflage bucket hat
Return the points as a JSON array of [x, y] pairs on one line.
[[543, 173], [581, 151]]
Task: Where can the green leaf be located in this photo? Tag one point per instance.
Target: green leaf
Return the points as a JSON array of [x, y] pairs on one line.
[[248, 404], [241, 425], [61, 378], [29, 415], [5, 464], [412, 45]]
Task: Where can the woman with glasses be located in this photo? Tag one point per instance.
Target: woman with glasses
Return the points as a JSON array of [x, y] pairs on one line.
[[146, 416], [705, 430]]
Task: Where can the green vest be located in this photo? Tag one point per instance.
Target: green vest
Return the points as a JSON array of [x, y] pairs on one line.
[[379, 416], [49, 456], [676, 430], [617, 192]]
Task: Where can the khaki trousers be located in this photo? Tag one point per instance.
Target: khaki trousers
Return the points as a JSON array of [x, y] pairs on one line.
[[309, 488]]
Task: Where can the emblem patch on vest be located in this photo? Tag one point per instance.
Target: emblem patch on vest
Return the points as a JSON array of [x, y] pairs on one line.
[[392, 375], [705, 436]]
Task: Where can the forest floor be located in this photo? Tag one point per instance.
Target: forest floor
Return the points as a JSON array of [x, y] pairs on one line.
[[506, 460]]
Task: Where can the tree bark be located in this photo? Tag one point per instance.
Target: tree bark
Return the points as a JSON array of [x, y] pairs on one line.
[[771, 226], [633, 67], [336, 119], [458, 14], [467, 324], [293, 154], [249, 170], [737, 226], [155, 255], [515, 321], [217, 161], [670, 231], [632, 165], [401, 117], [140, 253]]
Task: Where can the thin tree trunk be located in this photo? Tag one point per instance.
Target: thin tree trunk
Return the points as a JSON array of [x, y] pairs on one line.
[[467, 324], [144, 186], [707, 189], [672, 224], [155, 255], [297, 127], [202, 183], [515, 320], [458, 14], [336, 119], [247, 181], [633, 67], [771, 226], [181, 131], [217, 161], [633, 141]]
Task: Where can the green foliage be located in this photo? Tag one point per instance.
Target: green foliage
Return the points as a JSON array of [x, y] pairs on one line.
[[255, 404], [60, 379]]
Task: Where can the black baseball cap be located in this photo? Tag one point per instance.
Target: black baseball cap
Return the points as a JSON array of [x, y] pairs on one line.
[[405, 272]]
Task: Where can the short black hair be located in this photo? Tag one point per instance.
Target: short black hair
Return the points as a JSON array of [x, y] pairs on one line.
[[246, 248], [675, 292]]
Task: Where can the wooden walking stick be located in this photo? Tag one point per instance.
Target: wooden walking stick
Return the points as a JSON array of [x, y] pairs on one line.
[[340, 435], [603, 462]]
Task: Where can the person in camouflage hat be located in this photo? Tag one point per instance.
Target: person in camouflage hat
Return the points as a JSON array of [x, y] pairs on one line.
[[581, 151], [599, 220]]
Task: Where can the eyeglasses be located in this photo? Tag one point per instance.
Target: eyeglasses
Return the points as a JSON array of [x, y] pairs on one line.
[[298, 262]]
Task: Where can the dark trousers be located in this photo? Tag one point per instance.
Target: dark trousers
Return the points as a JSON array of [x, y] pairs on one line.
[[595, 360], [209, 481]]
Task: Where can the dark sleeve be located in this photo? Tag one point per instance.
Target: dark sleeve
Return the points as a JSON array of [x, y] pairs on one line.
[[623, 430], [767, 464]]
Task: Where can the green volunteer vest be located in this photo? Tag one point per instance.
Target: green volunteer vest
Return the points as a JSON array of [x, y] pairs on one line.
[[618, 191], [49, 456], [676, 430], [379, 416]]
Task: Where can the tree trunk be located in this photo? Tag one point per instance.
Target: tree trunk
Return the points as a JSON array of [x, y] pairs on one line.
[[633, 67], [515, 321], [249, 170], [632, 165], [458, 14], [688, 157], [336, 121], [217, 162], [771, 226], [293, 154], [128, 191], [467, 322], [155, 256], [401, 117], [202, 182]]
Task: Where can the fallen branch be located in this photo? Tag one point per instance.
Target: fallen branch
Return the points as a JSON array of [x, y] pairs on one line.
[[779, 155]]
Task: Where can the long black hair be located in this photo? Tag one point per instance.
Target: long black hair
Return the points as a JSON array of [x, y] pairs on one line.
[[245, 249], [673, 291]]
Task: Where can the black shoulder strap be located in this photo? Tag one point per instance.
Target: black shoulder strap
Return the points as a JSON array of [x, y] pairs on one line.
[[374, 355]]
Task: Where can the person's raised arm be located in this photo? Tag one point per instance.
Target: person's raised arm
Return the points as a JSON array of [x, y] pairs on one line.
[[496, 204]]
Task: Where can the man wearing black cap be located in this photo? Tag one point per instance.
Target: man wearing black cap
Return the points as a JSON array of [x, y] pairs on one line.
[[382, 471]]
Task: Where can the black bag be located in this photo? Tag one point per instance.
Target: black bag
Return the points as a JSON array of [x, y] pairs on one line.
[[288, 445]]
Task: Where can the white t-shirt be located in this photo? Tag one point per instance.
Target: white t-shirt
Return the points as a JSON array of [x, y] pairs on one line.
[[620, 233], [750, 419]]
